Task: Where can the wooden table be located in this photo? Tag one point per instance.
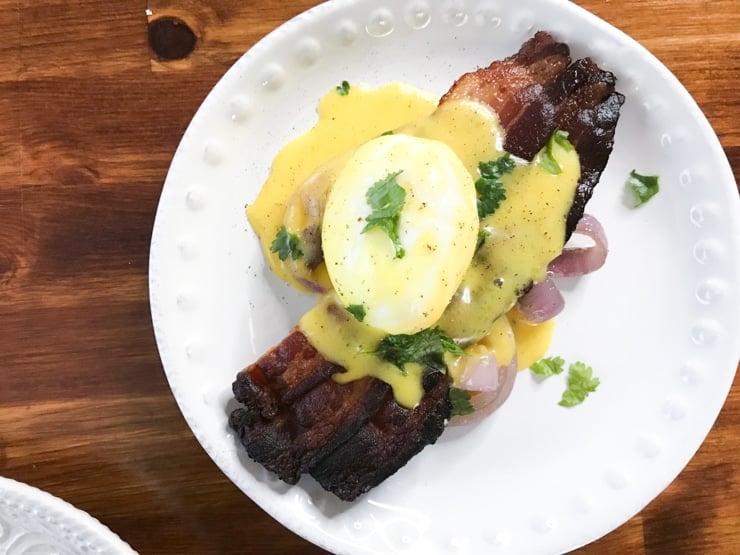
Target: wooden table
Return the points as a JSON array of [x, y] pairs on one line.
[[89, 120]]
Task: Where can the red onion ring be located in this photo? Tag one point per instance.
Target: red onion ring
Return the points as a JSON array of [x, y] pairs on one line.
[[541, 303], [489, 385], [582, 260]]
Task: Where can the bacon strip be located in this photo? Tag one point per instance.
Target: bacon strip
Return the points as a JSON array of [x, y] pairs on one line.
[[507, 85], [295, 419], [292, 434], [293, 414], [386, 442], [537, 91]]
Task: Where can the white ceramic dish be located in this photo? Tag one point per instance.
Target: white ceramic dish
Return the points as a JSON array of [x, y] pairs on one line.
[[33, 522], [659, 323]]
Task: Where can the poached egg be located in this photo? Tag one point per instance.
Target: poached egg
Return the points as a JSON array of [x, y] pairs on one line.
[[437, 228]]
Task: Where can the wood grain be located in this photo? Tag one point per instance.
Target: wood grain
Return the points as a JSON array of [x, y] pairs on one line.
[[90, 118]]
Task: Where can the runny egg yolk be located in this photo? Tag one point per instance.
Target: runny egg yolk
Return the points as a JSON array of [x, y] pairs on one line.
[[437, 232]]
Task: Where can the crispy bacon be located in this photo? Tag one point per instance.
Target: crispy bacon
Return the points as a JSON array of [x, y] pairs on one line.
[[295, 419], [537, 91], [292, 413], [386, 442], [292, 434]]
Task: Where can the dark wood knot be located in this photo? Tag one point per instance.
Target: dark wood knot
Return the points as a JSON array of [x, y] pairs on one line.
[[170, 38]]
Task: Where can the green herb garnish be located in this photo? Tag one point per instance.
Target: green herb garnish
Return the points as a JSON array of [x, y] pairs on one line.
[[358, 311], [491, 192], [286, 244], [460, 400], [386, 133], [547, 367], [343, 88], [643, 187], [426, 347], [482, 236], [546, 158], [561, 138], [386, 197], [580, 383]]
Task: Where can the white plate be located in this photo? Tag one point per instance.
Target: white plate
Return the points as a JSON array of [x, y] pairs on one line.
[[659, 323], [34, 522]]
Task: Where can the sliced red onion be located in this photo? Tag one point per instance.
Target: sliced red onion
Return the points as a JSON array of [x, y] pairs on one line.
[[541, 303], [582, 260], [481, 374], [488, 383]]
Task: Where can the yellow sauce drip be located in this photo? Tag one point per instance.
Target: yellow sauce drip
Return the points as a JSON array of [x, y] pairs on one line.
[[342, 339], [523, 236], [510, 335], [500, 342], [532, 340]]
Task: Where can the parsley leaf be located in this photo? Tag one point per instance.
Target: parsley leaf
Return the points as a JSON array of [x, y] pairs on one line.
[[482, 236], [286, 244], [561, 138], [343, 88], [643, 187], [546, 158], [460, 400], [491, 192], [358, 311], [547, 367], [580, 383], [386, 133], [426, 347], [386, 197]]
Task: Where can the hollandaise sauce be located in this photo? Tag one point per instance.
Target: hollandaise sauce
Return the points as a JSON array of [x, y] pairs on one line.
[[532, 340], [522, 236], [341, 338], [457, 271]]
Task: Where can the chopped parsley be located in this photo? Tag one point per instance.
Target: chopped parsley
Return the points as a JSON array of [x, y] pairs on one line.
[[482, 236], [386, 197], [581, 380], [358, 311], [643, 187], [547, 367], [580, 383], [286, 245], [561, 138], [343, 88], [460, 401], [546, 158], [490, 190], [386, 133], [426, 347]]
